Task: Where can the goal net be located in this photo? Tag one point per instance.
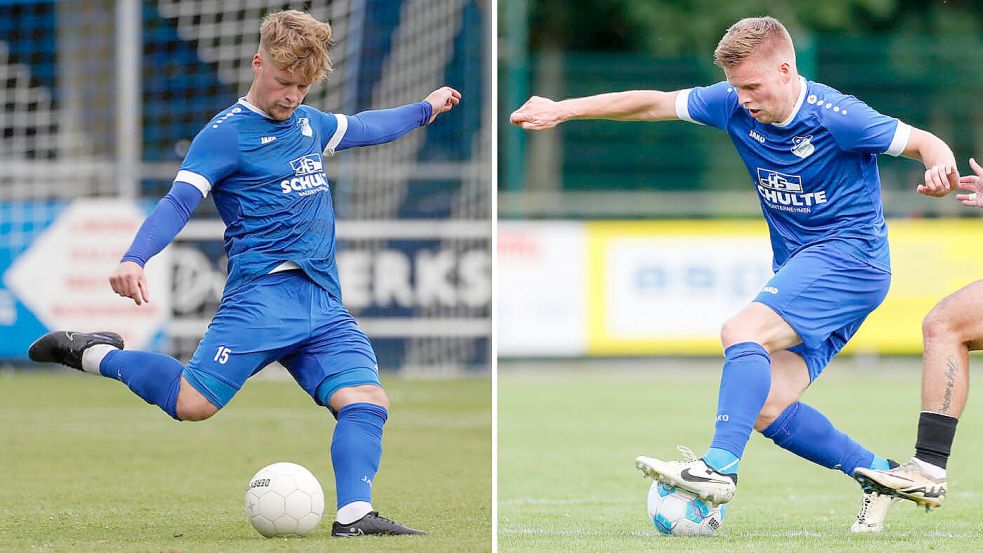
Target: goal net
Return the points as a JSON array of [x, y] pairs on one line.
[[414, 216]]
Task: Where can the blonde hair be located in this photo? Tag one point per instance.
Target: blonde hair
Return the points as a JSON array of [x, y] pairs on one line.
[[297, 42], [753, 36]]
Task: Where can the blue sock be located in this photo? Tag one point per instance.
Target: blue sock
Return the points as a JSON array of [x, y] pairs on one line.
[[356, 450], [744, 387], [809, 434], [153, 376], [879, 463], [722, 460]]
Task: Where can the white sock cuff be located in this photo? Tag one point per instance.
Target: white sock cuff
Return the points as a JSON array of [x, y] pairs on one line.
[[92, 357], [934, 471], [353, 511]]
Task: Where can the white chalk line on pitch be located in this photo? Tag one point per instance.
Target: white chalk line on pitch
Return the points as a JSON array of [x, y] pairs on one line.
[[620, 500], [560, 501], [785, 534]]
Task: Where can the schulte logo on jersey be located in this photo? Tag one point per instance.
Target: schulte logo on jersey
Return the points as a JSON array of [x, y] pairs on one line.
[[785, 192], [308, 176]]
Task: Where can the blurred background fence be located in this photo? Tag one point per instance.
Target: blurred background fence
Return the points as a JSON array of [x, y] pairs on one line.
[[642, 238], [101, 99]]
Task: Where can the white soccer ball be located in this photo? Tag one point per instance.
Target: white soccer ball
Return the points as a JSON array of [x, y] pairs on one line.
[[677, 512], [284, 499]]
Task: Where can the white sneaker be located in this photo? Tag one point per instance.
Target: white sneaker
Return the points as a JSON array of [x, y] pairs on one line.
[[907, 481], [692, 475], [873, 510]]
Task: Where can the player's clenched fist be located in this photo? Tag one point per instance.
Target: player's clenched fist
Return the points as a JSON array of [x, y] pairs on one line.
[[129, 281], [940, 179], [538, 113], [442, 100]]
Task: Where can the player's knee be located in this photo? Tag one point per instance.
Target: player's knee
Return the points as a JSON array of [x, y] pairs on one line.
[[936, 327], [194, 407], [769, 413], [734, 331], [367, 393]]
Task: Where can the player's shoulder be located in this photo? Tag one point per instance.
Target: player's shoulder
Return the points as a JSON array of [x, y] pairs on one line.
[[225, 125], [323, 121], [830, 106]]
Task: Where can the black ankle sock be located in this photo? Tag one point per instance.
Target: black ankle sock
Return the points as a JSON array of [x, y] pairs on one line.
[[935, 434]]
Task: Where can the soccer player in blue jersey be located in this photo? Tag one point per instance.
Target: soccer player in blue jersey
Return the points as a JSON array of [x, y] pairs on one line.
[[811, 154], [951, 330], [262, 160]]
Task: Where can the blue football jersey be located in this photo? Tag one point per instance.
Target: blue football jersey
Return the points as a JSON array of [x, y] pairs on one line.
[[816, 172], [268, 182]]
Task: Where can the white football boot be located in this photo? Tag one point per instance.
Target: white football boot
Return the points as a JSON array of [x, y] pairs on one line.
[[907, 481], [873, 511], [692, 475]]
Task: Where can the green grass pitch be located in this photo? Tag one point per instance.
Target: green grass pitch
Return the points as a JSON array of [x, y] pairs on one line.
[[87, 466], [566, 479]]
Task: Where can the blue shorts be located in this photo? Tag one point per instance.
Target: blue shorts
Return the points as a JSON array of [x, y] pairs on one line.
[[824, 294], [283, 317]]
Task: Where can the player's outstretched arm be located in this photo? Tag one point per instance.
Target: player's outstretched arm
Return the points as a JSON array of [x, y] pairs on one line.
[[540, 113], [379, 126], [941, 173], [158, 230], [974, 184]]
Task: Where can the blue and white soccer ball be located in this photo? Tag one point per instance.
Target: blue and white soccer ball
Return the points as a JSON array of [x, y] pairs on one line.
[[284, 499], [677, 512]]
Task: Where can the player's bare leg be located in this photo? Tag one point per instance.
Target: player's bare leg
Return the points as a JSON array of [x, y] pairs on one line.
[[192, 405], [950, 330]]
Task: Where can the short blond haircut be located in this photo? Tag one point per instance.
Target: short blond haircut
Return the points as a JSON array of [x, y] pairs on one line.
[[761, 37], [298, 43]]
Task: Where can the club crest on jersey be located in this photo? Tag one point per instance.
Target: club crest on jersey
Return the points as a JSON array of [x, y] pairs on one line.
[[786, 193], [802, 146], [308, 176], [305, 127]]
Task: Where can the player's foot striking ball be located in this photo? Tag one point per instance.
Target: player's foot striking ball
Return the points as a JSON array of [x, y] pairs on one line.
[[370, 524], [692, 475], [66, 347], [907, 481]]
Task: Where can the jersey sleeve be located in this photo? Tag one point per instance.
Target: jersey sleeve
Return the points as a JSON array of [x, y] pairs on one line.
[[856, 127], [165, 221], [331, 129], [213, 155], [707, 105]]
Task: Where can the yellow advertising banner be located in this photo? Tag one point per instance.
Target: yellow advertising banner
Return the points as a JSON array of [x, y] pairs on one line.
[[666, 287]]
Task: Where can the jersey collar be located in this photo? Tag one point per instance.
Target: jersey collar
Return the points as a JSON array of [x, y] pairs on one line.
[[256, 110], [253, 108], [798, 104]]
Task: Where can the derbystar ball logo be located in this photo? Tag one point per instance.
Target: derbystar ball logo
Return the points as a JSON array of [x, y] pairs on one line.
[[785, 192], [308, 176]]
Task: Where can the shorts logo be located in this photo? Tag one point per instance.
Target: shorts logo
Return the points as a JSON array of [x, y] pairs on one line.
[[802, 146], [308, 176], [770, 290], [786, 193]]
